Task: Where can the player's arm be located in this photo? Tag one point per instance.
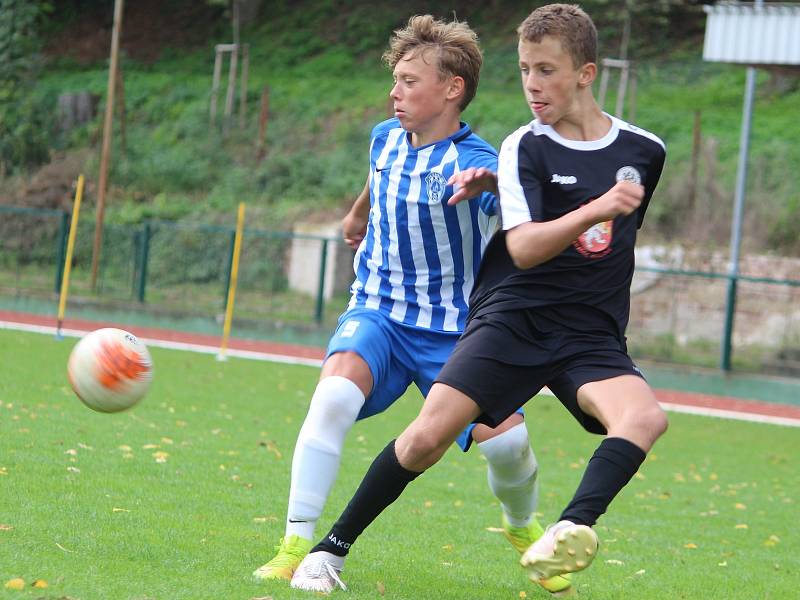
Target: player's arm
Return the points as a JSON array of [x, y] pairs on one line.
[[354, 224], [532, 243]]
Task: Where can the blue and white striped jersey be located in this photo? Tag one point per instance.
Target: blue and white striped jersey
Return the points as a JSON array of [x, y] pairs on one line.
[[418, 260]]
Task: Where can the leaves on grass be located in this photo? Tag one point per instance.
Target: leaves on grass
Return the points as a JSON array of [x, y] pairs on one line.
[[265, 519], [116, 510], [690, 546], [271, 447], [160, 456], [772, 540], [614, 561], [3, 471], [741, 526], [39, 583], [380, 587], [15, 584], [4, 527]]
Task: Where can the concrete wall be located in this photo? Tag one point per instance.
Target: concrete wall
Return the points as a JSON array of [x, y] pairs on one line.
[[306, 254]]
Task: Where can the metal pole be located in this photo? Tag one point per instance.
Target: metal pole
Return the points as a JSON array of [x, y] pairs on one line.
[[323, 265], [736, 225], [144, 253], [108, 125]]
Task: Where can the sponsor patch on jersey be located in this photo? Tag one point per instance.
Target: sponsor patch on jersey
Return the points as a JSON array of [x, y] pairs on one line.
[[595, 241], [629, 173], [564, 179], [436, 185]]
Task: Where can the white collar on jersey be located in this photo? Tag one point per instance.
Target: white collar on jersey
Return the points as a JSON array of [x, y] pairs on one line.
[[541, 129]]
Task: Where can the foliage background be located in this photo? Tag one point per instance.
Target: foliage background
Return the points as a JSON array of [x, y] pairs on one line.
[[320, 60]]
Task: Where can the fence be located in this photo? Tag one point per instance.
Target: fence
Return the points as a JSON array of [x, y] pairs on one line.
[[183, 270]]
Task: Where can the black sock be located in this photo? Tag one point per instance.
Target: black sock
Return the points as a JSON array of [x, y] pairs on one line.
[[611, 467], [384, 482]]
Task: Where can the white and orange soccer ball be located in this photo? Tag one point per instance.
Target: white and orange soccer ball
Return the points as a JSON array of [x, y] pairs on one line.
[[110, 370]]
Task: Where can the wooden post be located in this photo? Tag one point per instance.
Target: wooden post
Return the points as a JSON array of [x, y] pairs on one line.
[[695, 160], [243, 84], [108, 124], [623, 86], [231, 85], [215, 84], [263, 119]]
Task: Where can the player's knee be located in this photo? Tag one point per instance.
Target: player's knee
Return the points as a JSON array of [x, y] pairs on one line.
[[337, 400], [654, 421], [418, 449], [508, 447]]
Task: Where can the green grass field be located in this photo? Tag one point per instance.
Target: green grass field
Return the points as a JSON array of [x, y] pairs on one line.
[[182, 497]]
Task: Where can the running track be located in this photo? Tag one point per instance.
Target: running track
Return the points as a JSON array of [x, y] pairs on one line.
[[671, 400]]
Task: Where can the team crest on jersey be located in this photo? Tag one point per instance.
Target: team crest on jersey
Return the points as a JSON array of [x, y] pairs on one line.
[[436, 185], [595, 241], [628, 173]]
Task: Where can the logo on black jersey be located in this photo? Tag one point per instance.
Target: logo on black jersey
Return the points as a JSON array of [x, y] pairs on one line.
[[595, 241], [628, 173], [436, 185], [564, 179]]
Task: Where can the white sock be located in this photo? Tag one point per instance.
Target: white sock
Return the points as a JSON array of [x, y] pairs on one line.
[[333, 410], [512, 473]]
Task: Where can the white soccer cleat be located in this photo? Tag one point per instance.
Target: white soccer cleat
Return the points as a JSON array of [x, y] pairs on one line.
[[564, 548], [319, 572]]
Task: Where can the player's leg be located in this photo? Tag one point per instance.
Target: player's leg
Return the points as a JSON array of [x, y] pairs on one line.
[[344, 383], [512, 467], [444, 415], [358, 349], [625, 407], [628, 410]]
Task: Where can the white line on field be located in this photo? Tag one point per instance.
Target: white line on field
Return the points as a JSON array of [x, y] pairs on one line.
[[312, 362]]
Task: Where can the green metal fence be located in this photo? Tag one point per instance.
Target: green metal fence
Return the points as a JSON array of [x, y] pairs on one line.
[[180, 269]]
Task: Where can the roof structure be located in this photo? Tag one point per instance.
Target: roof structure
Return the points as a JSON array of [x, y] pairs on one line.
[[753, 33]]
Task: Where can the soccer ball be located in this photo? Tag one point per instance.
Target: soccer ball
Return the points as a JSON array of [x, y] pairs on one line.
[[110, 370]]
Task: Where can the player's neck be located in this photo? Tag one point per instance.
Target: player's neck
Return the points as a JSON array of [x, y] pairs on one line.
[[436, 131], [585, 123]]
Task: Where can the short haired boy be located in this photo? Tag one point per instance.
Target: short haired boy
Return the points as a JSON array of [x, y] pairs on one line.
[[550, 304], [419, 246]]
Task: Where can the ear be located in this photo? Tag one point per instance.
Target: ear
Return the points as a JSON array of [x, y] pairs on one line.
[[456, 89], [587, 74]]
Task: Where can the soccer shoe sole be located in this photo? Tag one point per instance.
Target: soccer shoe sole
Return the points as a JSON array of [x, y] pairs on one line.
[[573, 550], [273, 573]]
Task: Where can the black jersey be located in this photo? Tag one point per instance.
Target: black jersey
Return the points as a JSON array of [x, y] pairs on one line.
[[543, 176]]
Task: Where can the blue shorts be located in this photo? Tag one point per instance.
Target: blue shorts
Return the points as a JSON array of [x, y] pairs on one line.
[[397, 355]]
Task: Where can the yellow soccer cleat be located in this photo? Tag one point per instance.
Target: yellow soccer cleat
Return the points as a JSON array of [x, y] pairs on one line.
[[564, 548], [522, 538], [290, 553]]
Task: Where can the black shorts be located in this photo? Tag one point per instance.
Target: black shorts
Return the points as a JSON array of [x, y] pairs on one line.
[[504, 359]]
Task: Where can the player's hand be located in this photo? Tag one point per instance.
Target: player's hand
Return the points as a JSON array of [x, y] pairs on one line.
[[472, 182], [354, 228], [622, 199]]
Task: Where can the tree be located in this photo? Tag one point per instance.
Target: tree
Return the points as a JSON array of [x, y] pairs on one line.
[[23, 128]]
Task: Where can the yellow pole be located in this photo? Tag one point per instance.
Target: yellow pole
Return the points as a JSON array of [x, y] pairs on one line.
[[237, 250], [73, 230]]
